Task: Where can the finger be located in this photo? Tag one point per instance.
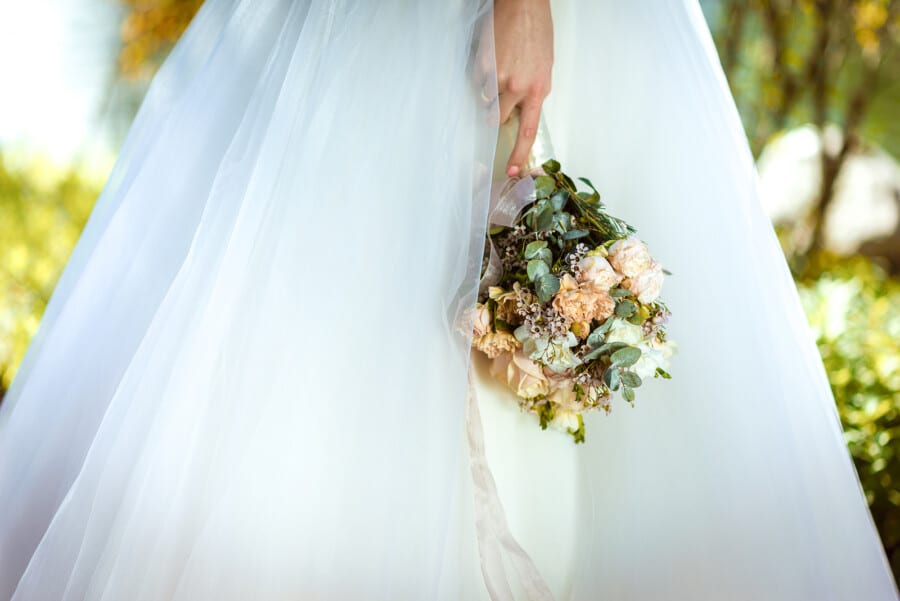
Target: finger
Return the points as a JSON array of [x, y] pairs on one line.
[[508, 103], [529, 117]]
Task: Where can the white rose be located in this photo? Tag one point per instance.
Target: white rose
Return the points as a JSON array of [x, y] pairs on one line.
[[629, 256], [648, 284], [597, 270], [653, 354], [623, 331]]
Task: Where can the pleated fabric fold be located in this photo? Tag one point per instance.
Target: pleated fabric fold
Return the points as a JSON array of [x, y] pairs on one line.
[[249, 383], [732, 480]]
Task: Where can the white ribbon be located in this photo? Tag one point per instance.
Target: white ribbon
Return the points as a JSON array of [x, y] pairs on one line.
[[491, 527]]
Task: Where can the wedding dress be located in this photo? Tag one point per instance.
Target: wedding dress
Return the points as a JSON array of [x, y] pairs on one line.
[[249, 383]]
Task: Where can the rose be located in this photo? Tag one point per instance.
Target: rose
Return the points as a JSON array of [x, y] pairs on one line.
[[654, 353], [623, 331], [647, 284], [521, 374], [596, 270], [629, 256], [482, 320], [582, 302], [562, 392], [493, 344]]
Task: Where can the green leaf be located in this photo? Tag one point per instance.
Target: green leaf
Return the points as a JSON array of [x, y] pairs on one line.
[[544, 255], [537, 268], [578, 434], [546, 286], [619, 292], [628, 393], [496, 230], [575, 234], [533, 248], [544, 220], [551, 166], [631, 379], [666, 271], [544, 186], [625, 308], [626, 356], [595, 338], [588, 182], [611, 377], [558, 200], [662, 373]]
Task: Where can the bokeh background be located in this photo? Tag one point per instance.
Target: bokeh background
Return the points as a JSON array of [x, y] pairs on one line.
[[817, 83]]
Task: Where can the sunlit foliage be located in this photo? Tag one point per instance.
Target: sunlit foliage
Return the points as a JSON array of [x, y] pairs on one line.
[[42, 212], [854, 309], [149, 30]]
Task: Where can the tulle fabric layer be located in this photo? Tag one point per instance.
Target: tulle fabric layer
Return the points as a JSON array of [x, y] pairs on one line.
[[730, 481], [248, 384]]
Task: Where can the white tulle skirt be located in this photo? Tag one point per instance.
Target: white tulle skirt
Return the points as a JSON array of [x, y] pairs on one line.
[[249, 385]]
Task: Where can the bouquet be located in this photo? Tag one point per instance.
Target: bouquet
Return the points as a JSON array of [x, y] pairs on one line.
[[569, 310]]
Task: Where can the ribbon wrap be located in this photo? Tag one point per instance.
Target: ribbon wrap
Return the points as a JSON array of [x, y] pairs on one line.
[[491, 527]]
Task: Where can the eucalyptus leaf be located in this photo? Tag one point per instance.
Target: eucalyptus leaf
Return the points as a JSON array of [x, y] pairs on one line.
[[544, 220], [545, 255], [625, 308], [611, 377], [575, 234], [537, 268], [546, 286], [631, 379], [558, 200], [628, 393], [533, 248], [551, 166], [595, 338], [544, 186], [626, 356], [619, 292]]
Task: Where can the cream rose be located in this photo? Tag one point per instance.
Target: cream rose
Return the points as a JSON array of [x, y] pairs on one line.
[[482, 321], [493, 344], [648, 284], [596, 270], [623, 331], [629, 256], [562, 392], [521, 374]]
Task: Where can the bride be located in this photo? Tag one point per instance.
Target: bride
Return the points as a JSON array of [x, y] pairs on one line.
[[248, 383]]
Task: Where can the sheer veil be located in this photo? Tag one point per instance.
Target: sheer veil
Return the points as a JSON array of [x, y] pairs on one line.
[[249, 382]]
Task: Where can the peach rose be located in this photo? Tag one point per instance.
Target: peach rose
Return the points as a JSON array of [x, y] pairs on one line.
[[493, 344], [646, 285], [482, 320], [521, 374], [629, 256], [562, 393]]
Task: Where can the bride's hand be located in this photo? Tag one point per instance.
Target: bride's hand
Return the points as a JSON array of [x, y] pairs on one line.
[[523, 41]]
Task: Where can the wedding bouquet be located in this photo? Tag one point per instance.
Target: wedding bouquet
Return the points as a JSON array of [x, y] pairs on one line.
[[569, 310]]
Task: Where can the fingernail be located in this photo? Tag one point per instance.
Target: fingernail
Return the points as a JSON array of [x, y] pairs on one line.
[[512, 171]]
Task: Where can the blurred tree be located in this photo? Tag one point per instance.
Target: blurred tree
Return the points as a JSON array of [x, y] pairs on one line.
[[791, 62], [854, 309], [42, 212], [149, 29]]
